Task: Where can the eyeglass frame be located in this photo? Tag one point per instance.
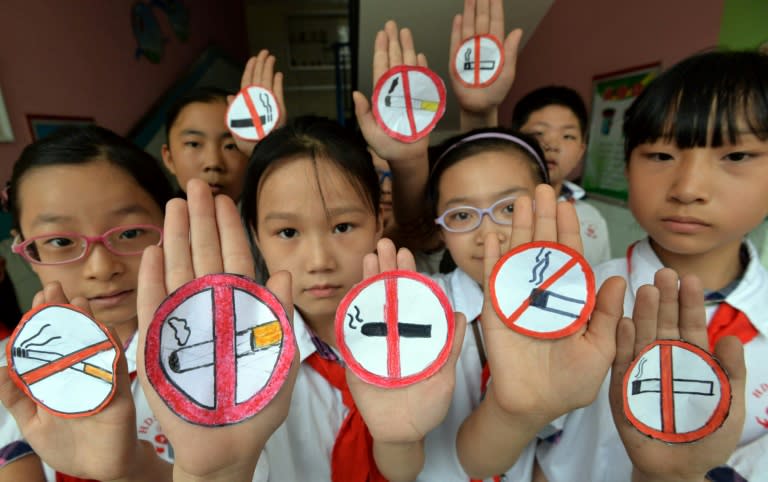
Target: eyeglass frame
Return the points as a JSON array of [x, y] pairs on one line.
[[383, 175], [482, 213], [20, 248]]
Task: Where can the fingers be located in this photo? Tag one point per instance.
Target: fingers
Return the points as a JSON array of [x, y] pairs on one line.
[[280, 285], [405, 260], [380, 55], [20, 406], [370, 265], [609, 310], [393, 47], [204, 234], [421, 61], [151, 291], [496, 22], [483, 17], [491, 255], [247, 76], [568, 227], [408, 50], [455, 36], [280, 96], [468, 19], [625, 353], [645, 316], [386, 251], [177, 256], [545, 219], [460, 324], [693, 314], [522, 222], [666, 281], [254, 69], [235, 251], [511, 48], [730, 352]]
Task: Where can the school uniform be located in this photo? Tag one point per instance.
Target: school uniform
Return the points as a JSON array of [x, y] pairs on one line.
[[148, 428], [594, 230], [301, 449], [590, 447]]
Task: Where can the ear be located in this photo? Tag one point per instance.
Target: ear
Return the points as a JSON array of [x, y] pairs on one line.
[[582, 149], [165, 151]]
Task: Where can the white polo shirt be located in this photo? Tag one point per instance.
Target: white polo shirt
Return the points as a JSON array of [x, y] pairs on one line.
[[594, 230], [300, 450], [147, 427], [590, 447]]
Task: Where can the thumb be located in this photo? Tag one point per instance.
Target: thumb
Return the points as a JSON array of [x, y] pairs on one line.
[[364, 116], [730, 352], [280, 284]]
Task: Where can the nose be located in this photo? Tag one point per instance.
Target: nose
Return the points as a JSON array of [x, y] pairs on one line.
[[320, 257], [550, 141], [101, 264], [691, 181], [213, 159], [487, 225], [386, 185]]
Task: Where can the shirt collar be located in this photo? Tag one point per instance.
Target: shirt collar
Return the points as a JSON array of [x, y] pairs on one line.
[[466, 294]]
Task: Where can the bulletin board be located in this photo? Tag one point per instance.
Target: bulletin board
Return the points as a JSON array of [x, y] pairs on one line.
[[612, 94]]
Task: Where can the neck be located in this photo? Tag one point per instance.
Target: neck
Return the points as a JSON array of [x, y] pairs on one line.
[[558, 188], [716, 268], [323, 327]]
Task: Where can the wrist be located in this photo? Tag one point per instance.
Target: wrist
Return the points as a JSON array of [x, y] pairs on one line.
[[476, 119], [145, 465]]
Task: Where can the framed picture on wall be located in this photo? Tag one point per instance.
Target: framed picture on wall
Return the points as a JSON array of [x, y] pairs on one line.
[[41, 125], [6, 133], [612, 94]]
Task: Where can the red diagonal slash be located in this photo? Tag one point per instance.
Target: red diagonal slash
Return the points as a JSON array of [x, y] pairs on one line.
[[44, 371], [393, 331], [543, 286], [224, 334], [408, 102], [667, 390], [254, 113], [477, 60]]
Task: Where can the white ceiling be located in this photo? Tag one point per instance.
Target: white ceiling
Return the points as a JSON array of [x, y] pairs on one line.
[[430, 21]]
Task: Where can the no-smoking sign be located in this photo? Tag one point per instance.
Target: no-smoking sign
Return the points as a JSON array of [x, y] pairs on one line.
[[395, 329], [218, 349], [253, 114], [478, 61], [676, 392], [64, 360], [543, 289], [408, 101]]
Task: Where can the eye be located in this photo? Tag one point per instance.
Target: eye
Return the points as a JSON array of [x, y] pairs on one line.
[[230, 147], [192, 144], [288, 233], [132, 233], [342, 228], [508, 208], [460, 215], [738, 156], [659, 156], [59, 242]]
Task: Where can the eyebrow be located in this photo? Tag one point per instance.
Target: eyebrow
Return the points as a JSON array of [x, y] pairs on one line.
[[463, 200], [332, 212], [546, 124], [52, 218]]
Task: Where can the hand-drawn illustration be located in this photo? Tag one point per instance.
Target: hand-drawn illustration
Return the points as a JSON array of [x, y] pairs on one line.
[[676, 392], [219, 349], [146, 30], [478, 61], [395, 329], [178, 16], [408, 101], [251, 120], [58, 346], [562, 296]]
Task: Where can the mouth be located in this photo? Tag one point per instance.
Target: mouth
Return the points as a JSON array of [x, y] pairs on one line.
[[215, 188], [110, 299], [323, 291], [684, 224]]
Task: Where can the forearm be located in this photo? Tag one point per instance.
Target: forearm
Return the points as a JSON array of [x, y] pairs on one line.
[[475, 120], [27, 468], [399, 461], [491, 440], [409, 186]]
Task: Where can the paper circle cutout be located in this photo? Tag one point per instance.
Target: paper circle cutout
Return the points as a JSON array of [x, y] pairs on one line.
[[543, 289], [480, 71], [676, 392], [219, 349], [64, 360], [423, 318], [408, 101], [253, 113]]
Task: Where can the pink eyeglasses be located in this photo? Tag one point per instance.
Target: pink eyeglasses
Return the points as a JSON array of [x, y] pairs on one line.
[[63, 248]]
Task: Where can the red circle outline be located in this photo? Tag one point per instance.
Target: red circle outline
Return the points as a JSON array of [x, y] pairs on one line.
[[404, 69], [384, 381], [589, 278], [719, 415], [242, 92], [502, 59], [178, 401], [23, 386]]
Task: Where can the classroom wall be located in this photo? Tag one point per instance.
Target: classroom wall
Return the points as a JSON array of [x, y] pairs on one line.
[[77, 58], [578, 39]]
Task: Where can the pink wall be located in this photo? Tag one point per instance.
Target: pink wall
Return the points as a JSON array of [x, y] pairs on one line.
[[77, 58], [580, 38]]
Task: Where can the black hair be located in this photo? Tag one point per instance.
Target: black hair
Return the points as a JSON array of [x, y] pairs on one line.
[[205, 95], [316, 138], [81, 145], [700, 102], [454, 149], [546, 96]]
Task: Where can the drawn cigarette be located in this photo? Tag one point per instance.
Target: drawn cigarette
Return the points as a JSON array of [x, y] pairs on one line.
[[49, 356], [248, 122], [398, 101], [469, 64], [405, 330], [679, 385], [555, 303], [247, 342]]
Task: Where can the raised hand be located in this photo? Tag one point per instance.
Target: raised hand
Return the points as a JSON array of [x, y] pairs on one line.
[[484, 17], [102, 446], [664, 311], [203, 236]]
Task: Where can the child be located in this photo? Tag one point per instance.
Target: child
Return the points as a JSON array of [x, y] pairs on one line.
[[557, 118], [78, 182], [200, 146], [697, 164]]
